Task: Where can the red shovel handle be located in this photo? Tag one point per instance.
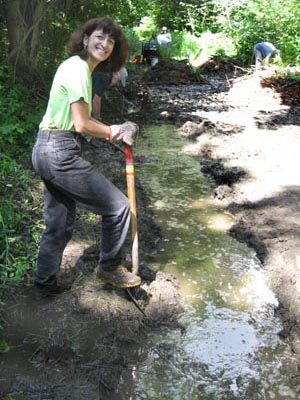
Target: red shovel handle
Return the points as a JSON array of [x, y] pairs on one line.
[[132, 200], [128, 155]]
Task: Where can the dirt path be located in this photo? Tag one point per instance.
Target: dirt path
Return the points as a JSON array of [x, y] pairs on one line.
[[247, 138]]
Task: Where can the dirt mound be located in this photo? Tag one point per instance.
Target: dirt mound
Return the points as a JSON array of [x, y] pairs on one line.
[[288, 89], [217, 64], [171, 72]]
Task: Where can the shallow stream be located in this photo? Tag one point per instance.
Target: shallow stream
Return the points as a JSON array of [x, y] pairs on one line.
[[231, 348]]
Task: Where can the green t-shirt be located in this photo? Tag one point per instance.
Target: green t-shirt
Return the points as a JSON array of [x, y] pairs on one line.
[[71, 83]]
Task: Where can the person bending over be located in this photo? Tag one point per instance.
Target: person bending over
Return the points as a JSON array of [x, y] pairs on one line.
[[264, 52]]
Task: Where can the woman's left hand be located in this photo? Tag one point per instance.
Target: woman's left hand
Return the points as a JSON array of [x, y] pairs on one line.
[[127, 132]]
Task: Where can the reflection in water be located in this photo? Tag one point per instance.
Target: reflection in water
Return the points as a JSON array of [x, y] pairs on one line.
[[220, 222], [230, 348]]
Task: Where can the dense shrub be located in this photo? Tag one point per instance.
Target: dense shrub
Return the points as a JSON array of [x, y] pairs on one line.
[[20, 115]]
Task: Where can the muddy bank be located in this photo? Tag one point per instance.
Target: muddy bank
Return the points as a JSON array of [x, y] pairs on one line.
[[244, 128]]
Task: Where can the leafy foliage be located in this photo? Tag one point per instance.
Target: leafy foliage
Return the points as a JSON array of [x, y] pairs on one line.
[[18, 123], [4, 347], [17, 231], [20, 114], [253, 21], [198, 49]]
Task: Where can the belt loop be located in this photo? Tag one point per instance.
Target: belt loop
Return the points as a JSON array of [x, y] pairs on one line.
[[48, 135]]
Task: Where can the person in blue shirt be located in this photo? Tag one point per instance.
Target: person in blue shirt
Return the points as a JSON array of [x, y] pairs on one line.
[[101, 82], [264, 52]]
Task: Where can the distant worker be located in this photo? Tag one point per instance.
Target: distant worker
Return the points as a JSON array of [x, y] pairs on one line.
[[263, 52], [150, 51], [164, 39], [101, 81]]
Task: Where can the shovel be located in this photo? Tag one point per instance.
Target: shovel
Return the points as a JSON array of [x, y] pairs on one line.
[[132, 200]]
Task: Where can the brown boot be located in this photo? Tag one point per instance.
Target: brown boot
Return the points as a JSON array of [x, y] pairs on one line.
[[119, 277]]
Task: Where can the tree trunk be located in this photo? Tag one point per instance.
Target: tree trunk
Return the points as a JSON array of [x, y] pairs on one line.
[[24, 19], [12, 11]]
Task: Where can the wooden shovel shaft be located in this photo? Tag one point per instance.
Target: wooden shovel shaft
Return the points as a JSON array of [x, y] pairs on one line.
[[132, 200]]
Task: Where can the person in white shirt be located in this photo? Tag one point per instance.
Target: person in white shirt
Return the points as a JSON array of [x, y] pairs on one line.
[[164, 39]]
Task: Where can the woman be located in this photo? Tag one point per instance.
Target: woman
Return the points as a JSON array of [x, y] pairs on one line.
[[68, 178]]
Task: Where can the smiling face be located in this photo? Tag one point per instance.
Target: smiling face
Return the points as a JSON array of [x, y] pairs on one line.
[[99, 47]]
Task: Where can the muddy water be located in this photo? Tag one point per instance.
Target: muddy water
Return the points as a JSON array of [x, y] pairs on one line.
[[230, 348]]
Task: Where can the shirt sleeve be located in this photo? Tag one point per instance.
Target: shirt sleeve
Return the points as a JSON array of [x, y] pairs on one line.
[[78, 83]]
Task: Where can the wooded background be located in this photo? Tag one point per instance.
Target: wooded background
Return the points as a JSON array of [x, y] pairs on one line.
[[33, 33]]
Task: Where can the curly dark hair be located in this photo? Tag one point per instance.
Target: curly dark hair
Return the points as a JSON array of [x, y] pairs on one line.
[[120, 53]]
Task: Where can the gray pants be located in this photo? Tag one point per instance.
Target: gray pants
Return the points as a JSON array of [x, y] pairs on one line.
[[68, 179]]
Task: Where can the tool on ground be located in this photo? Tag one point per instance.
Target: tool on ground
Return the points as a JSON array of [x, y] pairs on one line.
[[135, 301], [132, 199]]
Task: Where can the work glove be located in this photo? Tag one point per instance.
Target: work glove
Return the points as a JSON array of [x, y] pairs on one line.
[[127, 132]]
